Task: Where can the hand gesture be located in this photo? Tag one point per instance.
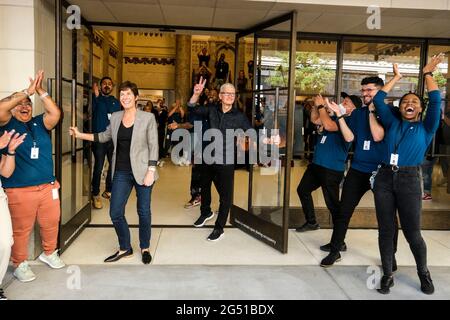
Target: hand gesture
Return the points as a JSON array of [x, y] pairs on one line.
[[149, 178], [16, 141], [6, 138], [334, 107], [198, 88], [32, 87], [96, 89], [396, 71], [172, 126], [39, 79], [318, 100], [433, 63], [73, 131]]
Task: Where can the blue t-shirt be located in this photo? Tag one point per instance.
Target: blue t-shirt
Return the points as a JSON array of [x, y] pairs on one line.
[[331, 150], [409, 140], [101, 107], [31, 172], [367, 155]]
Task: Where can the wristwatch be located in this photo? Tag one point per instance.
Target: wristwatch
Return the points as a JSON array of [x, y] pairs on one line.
[[428, 73], [26, 92], [373, 111], [11, 153], [340, 117]]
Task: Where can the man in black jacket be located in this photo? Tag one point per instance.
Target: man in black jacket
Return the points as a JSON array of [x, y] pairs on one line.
[[222, 116]]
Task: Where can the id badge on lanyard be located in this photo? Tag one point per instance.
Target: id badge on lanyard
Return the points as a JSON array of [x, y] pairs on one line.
[[34, 152]]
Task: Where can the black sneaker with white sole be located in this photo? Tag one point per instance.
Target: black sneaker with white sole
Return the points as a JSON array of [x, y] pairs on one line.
[[202, 220], [327, 247], [215, 235]]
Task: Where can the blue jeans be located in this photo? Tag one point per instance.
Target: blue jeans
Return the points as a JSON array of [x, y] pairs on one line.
[[427, 174], [101, 150], [123, 182]]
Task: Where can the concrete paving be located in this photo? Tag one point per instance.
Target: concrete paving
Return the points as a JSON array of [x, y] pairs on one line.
[[157, 282]]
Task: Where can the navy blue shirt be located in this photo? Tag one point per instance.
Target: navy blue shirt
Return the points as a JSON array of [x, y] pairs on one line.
[[364, 159], [31, 172], [331, 150], [409, 140], [101, 107]]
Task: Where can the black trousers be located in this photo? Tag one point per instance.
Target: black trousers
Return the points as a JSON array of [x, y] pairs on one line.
[[399, 191], [196, 179], [223, 178], [356, 184], [314, 177], [101, 150]]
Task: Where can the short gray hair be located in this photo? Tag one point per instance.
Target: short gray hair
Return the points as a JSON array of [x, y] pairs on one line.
[[227, 85]]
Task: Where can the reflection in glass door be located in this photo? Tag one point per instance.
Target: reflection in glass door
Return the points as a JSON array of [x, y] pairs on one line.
[[75, 161], [264, 211]]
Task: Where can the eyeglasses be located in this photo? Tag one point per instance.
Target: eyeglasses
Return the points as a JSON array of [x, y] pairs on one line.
[[25, 104], [229, 94]]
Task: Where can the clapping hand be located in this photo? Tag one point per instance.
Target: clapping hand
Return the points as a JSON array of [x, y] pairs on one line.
[[16, 141], [6, 138], [433, 63]]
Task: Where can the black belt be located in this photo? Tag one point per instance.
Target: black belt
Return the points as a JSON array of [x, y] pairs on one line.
[[395, 168]]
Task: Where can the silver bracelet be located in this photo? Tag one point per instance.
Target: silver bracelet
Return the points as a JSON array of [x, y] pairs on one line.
[[42, 96]]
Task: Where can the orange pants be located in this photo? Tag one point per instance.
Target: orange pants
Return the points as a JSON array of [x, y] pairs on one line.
[[26, 204]]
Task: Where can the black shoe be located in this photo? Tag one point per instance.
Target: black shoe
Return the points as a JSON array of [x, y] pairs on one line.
[[308, 227], [330, 259], [386, 283], [116, 256], [327, 247], [394, 264], [202, 219], [2, 295], [215, 235], [426, 284], [146, 257]]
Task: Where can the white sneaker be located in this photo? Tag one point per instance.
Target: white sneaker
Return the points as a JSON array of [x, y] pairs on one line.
[[53, 260], [23, 273]]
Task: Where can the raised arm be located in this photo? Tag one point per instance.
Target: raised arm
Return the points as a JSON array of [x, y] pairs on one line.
[[192, 105], [9, 103], [383, 110], [431, 121], [327, 122], [52, 112], [346, 132], [376, 129]]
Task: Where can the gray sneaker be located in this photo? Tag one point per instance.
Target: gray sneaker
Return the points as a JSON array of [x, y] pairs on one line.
[[23, 273], [53, 260]]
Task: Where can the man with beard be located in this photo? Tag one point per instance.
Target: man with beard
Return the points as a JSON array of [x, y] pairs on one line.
[[103, 105]]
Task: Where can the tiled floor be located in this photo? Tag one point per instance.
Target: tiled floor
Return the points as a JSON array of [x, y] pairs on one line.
[[188, 246], [171, 192]]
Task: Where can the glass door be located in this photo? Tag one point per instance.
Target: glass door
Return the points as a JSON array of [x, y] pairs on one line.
[[73, 164], [266, 54]]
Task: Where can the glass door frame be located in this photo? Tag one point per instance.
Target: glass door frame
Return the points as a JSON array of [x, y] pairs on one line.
[[274, 235], [69, 231]]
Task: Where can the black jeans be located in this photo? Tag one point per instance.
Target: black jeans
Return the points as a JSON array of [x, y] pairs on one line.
[[101, 150], [399, 191], [314, 177], [356, 184], [196, 180], [223, 178]]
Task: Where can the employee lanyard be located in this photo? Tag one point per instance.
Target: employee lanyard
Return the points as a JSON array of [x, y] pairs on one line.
[[31, 131], [403, 135]]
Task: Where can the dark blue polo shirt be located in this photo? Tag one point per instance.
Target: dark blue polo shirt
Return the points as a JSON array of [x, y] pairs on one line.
[[364, 159], [31, 172], [331, 150], [409, 140], [101, 107]]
